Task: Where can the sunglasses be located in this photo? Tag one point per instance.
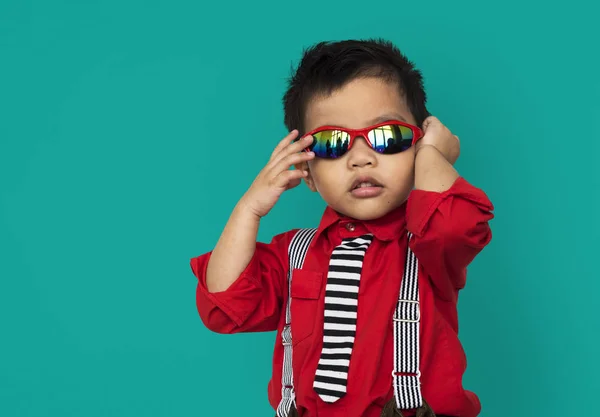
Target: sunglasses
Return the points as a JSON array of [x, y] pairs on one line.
[[386, 138]]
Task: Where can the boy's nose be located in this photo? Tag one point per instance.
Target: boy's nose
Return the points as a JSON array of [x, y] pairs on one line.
[[361, 154]]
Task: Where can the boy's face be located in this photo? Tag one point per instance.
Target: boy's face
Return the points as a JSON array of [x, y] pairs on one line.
[[361, 103]]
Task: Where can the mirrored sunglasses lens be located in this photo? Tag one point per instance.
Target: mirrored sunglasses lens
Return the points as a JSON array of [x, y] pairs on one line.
[[330, 143], [389, 139]]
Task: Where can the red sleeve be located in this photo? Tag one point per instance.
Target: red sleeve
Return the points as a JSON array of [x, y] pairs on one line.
[[450, 229], [254, 301]]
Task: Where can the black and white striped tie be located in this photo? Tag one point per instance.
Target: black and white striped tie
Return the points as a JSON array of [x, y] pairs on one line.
[[341, 302]]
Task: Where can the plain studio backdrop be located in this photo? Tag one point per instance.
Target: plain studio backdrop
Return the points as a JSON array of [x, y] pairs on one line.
[[129, 129]]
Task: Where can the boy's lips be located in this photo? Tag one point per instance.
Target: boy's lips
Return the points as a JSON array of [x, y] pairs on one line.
[[363, 181], [364, 187]]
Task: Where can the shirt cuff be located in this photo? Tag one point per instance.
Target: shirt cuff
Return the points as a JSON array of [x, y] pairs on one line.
[[238, 301]]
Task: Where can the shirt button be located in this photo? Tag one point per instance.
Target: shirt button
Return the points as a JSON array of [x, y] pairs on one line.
[[350, 227]]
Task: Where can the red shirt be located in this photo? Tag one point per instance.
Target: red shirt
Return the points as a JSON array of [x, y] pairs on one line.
[[449, 228]]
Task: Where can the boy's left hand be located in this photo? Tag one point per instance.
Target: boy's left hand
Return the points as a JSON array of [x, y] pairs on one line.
[[440, 137]]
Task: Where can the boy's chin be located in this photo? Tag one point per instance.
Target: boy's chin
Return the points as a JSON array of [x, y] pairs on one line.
[[369, 211]]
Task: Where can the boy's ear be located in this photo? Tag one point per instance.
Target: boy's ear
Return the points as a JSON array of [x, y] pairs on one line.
[[308, 179]]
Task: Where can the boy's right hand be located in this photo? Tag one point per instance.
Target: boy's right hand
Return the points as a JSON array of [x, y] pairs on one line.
[[277, 177], [441, 138]]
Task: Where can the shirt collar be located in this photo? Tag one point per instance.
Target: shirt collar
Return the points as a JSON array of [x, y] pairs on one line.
[[386, 228]]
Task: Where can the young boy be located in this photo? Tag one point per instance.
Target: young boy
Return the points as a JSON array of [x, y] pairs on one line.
[[367, 318]]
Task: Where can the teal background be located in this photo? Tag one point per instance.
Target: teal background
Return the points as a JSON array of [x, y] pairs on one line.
[[113, 173]]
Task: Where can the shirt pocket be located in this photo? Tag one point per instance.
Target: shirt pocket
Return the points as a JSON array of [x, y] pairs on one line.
[[306, 291]]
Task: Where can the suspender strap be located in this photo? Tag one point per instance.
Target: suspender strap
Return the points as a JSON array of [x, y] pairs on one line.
[[406, 375], [296, 253]]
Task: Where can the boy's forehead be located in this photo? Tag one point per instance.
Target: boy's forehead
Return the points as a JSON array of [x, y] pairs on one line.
[[361, 102]]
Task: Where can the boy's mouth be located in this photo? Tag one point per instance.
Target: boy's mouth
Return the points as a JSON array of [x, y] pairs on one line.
[[366, 187], [364, 182]]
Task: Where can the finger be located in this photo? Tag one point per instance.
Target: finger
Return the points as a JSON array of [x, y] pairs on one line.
[[294, 182], [287, 179], [456, 137], [291, 149], [430, 121], [286, 163], [284, 142]]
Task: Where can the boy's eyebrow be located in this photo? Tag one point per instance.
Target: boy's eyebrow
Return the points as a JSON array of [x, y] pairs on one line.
[[379, 119], [387, 117]]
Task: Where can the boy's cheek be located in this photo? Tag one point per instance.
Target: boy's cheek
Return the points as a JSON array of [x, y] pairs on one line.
[[326, 176]]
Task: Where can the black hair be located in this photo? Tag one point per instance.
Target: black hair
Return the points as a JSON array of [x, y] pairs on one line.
[[328, 66]]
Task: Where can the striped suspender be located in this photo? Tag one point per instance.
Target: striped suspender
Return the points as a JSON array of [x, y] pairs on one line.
[[406, 375], [296, 253], [406, 323]]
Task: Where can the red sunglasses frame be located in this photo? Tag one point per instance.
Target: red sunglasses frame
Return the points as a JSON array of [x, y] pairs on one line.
[[364, 133]]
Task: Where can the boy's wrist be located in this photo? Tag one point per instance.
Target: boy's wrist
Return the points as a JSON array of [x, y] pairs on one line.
[[450, 158], [422, 151], [433, 172], [421, 146], [245, 211]]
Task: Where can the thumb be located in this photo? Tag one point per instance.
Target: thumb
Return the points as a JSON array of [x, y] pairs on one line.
[[294, 182]]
